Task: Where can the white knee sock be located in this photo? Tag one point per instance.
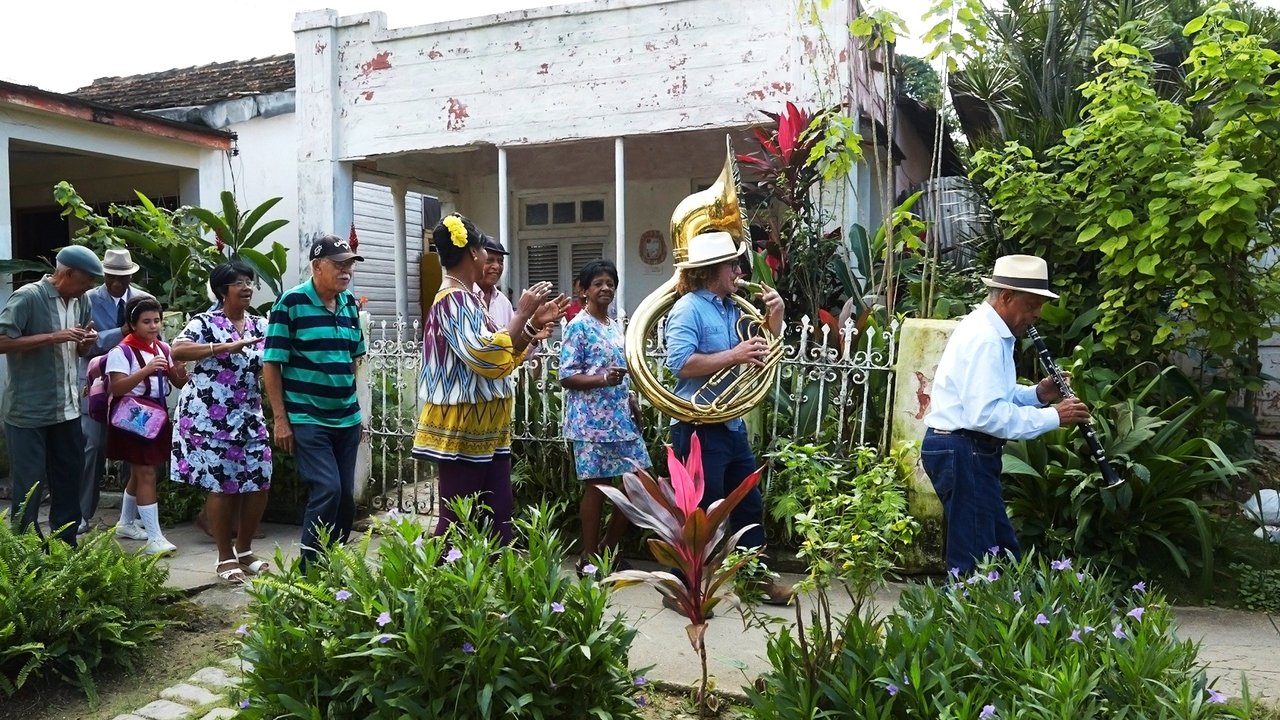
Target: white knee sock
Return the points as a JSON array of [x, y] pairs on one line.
[[150, 515], [128, 509]]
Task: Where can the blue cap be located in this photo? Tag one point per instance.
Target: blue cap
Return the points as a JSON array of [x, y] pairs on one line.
[[79, 257]]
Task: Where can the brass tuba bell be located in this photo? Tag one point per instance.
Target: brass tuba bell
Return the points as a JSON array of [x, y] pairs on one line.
[[742, 387]]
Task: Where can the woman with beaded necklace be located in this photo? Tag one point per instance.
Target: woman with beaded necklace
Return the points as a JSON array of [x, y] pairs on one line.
[[465, 426]]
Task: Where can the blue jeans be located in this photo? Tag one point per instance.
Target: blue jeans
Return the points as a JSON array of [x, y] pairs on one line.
[[727, 460], [326, 458], [48, 457], [965, 472]]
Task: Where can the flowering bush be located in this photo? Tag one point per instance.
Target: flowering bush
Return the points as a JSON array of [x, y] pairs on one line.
[[1038, 639], [425, 628]]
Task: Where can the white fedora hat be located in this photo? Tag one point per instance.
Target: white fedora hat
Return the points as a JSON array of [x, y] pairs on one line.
[[117, 261], [1024, 273], [711, 248]]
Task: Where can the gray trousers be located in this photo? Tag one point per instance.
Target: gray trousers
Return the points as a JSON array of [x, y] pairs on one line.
[[47, 458], [95, 458]]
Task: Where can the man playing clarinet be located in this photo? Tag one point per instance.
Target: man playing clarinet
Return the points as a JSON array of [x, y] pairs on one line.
[[977, 405]]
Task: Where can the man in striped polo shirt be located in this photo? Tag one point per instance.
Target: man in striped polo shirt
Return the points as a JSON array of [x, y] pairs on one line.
[[313, 341]]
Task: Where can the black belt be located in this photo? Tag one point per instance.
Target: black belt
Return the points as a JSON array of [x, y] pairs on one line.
[[971, 434]]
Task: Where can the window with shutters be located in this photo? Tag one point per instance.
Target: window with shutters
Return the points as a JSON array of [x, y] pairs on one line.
[[560, 234]]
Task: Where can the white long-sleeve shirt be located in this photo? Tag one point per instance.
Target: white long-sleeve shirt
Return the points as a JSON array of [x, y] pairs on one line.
[[976, 385]]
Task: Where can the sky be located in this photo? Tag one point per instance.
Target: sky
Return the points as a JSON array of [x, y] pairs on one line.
[[67, 45]]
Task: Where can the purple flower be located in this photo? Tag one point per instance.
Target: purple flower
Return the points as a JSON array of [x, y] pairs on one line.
[[993, 576], [226, 377], [1136, 613], [1119, 632], [975, 580], [383, 639], [417, 542], [640, 680], [589, 569], [244, 704], [342, 596], [240, 395], [1017, 596], [383, 619], [1041, 619], [186, 422], [1080, 576], [1140, 586], [1064, 564], [1075, 636], [954, 572], [184, 467], [217, 412], [1215, 697], [557, 607], [235, 452], [242, 630], [1088, 629], [468, 648], [994, 549], [393, 514], [222, 435], [892, 690], [640, 700], [453, 554], [988, 711]]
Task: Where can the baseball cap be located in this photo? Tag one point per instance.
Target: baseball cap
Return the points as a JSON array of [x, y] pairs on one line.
[[334, 248]]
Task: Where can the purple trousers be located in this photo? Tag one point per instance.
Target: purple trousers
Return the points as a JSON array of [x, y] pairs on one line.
[[491, 480]]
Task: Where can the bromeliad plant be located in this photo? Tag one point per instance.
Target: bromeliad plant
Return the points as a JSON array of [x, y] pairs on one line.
[[690, 539]]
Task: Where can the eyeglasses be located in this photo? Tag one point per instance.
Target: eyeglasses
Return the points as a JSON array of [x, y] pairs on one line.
[[241, 283], [342, 265]]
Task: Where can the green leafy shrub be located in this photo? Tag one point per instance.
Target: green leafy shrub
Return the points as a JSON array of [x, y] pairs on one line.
[[426, 629], [1037, 639], [1053, 489], [65, 612], [1259, 588]]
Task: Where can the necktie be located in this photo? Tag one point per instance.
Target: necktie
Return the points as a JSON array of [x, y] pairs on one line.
[[120, 312]]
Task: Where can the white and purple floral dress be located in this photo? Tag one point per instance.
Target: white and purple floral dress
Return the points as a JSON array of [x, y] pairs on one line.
[[220, 440]]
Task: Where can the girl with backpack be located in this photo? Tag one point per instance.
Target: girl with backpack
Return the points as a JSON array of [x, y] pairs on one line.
[[138, 432]]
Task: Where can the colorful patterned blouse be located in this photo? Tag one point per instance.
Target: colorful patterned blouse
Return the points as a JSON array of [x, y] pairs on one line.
[[599, 414]]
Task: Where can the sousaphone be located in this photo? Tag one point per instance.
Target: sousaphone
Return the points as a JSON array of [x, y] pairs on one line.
[[741, 387]]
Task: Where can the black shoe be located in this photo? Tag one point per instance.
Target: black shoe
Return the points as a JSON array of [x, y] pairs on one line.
[[674, 607]]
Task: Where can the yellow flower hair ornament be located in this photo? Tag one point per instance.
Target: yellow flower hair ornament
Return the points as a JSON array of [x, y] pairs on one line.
[[457, 231]]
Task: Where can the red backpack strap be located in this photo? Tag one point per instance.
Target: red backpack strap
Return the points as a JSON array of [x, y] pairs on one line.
[[137, 354]]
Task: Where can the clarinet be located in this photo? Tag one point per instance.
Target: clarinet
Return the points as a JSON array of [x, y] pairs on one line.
[[1090, 435]]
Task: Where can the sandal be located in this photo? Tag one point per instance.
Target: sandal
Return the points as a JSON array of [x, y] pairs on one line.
[[235, 575], [256, 567]]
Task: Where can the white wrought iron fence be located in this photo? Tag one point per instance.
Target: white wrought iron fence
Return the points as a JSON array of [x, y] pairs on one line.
[[833, 387]]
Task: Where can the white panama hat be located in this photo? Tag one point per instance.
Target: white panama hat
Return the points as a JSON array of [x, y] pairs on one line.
[[711, 248], [1024, 273]]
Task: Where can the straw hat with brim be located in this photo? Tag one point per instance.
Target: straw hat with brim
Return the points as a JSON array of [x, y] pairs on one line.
[[1024, 273], [711, 248]]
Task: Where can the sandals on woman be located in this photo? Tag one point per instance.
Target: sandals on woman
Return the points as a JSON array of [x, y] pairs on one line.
[[234, 575], [256, 567]]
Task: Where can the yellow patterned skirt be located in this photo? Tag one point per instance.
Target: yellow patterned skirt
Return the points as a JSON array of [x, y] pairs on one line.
[[474, 432]]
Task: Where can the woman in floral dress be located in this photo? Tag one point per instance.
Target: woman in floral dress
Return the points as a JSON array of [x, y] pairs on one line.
[[600, 415], [221, 441]]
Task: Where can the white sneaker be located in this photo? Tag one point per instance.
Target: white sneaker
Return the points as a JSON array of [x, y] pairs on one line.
[[159, 546], [131, 531], [83, 528]]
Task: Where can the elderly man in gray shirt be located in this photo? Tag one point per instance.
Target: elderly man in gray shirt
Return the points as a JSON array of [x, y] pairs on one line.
[[44, 328]]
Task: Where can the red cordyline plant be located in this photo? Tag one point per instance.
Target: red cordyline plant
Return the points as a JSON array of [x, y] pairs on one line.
[[689, 539]]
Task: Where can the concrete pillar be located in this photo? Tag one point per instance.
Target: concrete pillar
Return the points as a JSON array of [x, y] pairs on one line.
[[398, 191], [920, 346], [325, 184], [620, 224], [504, 222], [6, 219]]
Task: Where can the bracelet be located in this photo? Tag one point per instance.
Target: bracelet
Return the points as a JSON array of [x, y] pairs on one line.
[[211, 352], [529, 329]]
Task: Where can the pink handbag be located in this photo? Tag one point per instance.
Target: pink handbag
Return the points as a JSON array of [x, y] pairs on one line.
[[141, 415]]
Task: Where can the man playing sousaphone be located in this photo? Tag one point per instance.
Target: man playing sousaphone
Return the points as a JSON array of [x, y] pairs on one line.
[[702, 339]]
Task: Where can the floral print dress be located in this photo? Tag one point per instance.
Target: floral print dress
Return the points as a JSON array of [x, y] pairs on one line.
[[220, 440], [606, 441]]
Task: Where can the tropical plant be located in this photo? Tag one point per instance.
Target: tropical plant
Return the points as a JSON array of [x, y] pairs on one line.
[[66, 612], [1053, 488], [1035, 639], [238, 235], [452, 626], [690, 539]]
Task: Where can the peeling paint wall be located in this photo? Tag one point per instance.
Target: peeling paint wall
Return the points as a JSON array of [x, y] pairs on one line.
[[604, 69]]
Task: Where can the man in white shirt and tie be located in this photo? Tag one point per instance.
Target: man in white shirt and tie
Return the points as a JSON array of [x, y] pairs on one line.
[[977, 404], [106, 309]]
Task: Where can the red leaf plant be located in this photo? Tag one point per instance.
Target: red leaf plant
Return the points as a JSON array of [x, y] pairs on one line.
[[689, 539]]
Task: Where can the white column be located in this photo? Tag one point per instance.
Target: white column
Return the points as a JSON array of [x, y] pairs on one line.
[[504, 223], [6, 218], [398, 190], [620, 224]]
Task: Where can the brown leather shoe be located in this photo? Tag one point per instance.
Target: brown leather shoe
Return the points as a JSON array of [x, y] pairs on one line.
[[777, 593]]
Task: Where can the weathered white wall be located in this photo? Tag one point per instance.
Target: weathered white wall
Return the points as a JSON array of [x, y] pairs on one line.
[[588, 70], [267, 167]]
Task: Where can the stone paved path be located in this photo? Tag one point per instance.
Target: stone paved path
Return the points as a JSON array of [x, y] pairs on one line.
[[209, 694]]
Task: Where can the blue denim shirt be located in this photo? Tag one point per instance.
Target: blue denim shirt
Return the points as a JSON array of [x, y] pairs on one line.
[[700, 322]]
